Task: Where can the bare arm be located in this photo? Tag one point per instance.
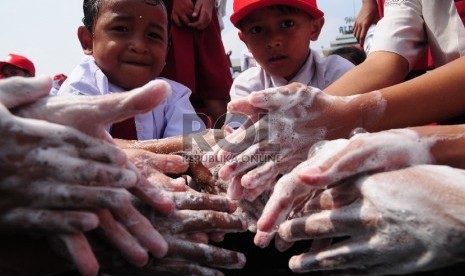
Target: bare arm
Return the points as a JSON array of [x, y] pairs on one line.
[[432, 97], [379, 70]]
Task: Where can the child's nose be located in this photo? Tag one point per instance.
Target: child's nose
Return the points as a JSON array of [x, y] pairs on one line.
[[138, 45]]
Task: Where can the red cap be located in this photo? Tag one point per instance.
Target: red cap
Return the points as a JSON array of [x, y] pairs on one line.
[[241, 8], [20, 62]]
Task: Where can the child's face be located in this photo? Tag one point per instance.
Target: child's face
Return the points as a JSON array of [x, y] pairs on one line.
[[130, 41], [9, 71], [279, 41]]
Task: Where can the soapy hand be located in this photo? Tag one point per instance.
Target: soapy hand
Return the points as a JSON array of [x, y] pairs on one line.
[[297, 117], [102, 110], [76, 180], [332, 162], [197, 217], [395, 222], [368, 152]]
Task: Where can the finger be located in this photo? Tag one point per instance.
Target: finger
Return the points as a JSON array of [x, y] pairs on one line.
[[184, 20], [262, 239], [18, 91], [346, 255], [235, 189], [121, 239], [49, 221], [326, 224], [277, 98], [193, 200], [207, 221], [141, 228], [288, 193], [245, 109], [197, 8], [264, 175], [206, 254], [202, 175], [245, 161], [80, 197], [153, 196], [79, 171], [81, 254], [69, 138], [167, 163]]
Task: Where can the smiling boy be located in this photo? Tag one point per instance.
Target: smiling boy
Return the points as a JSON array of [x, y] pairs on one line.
[[126, 43]]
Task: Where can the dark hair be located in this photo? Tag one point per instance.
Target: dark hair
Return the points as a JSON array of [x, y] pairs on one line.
[[92, 7], [351, 53]]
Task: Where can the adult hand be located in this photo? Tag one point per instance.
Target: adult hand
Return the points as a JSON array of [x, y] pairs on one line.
[[367, 16], [202, 15], [297, 117], [395, 222]]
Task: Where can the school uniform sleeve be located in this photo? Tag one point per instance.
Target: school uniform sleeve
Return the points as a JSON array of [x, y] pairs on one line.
[[250, 80], [179, 114], [85, 79], [409, 26]]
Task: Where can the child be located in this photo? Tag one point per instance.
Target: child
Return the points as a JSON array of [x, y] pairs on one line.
[[16, 66], [126, 42], [278, 34]]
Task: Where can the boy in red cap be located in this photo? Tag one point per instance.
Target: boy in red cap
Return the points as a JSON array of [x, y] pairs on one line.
[[16, 66], [278, 34]]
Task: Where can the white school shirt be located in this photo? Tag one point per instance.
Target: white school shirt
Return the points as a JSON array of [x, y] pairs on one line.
[[409, 26], [317, 71], [173, 117]]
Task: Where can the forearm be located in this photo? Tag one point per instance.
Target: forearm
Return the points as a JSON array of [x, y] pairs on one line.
[[433, 97], [449, 146], [379, 70]]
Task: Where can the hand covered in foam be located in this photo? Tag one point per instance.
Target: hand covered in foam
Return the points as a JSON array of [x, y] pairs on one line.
[[71, 182], [197, 217], [330, 163], [396, 222], [367, 152], [296, 117]]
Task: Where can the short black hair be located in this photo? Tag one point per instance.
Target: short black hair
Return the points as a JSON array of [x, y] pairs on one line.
[[351, 53], [92, 7]]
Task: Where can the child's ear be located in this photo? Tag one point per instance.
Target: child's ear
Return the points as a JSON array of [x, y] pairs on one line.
[[241, 36], [85, 38], [317, 26]]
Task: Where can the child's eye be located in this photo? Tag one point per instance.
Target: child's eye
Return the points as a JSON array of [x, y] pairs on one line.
[[256, 30], [287, 23], [121, 29], [156, 36]]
